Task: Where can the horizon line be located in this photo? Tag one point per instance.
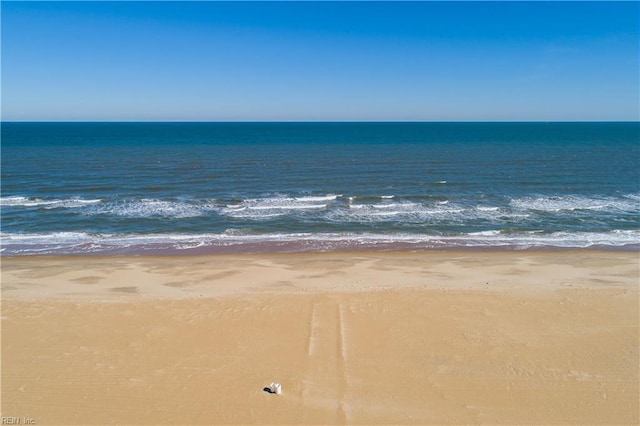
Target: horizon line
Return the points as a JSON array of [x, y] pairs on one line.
[[319, 121]]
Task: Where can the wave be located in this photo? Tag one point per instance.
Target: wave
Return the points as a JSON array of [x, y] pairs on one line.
[[19, 201], [181, 208], [312, 199], [491, 233], [419, 198], [260, 208], [234, 240], [398, 206], [287, 207], [627, 203], [149, 208], [412, 211], [333, 209]]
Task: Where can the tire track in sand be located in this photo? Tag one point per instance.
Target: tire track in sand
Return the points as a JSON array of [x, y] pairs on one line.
[[326, 383]]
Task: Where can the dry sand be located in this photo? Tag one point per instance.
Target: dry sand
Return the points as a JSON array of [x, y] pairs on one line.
[[356, 338]]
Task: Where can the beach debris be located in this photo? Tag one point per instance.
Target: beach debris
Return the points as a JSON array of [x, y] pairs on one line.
[[274, 388]]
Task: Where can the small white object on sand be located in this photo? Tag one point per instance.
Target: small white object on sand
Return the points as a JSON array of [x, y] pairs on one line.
[[276, 388]]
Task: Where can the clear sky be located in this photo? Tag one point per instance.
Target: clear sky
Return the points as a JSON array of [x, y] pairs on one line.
[[326, 61]]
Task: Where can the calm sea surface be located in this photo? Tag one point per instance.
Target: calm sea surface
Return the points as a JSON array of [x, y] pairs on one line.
[[247, 187]]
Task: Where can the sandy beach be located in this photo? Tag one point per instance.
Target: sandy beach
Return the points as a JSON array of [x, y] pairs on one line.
[[532, 337]]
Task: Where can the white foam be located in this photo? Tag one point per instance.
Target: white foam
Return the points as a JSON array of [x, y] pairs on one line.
[[398, 206], [575, 202], [311, 199], [373, 212], [150, 208], [491, 233], [37, 237], [260, 208], [288, 207], [396, 211], [519, 210], [190, 245], [78, 242], [19, 201], [387, 213]]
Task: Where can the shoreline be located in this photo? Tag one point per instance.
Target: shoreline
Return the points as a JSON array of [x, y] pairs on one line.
[[515, 337], [201, 244], [295, 248], [267, 249]]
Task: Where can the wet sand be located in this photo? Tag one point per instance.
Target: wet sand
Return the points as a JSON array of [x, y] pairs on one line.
[[354, 338]]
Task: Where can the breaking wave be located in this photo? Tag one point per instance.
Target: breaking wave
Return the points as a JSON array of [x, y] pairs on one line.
[[334, 208], [148, 208], [19, 201], [628, 203]]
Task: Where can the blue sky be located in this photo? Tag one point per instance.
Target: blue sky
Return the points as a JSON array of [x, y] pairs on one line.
[[320, 61]]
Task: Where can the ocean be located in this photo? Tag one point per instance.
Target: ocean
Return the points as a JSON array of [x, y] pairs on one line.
[[194, 188]]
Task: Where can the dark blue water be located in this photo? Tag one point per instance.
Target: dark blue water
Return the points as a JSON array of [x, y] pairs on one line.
[[198, 187]]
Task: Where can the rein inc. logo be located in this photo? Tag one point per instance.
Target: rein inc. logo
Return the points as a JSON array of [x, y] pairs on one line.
[[5, 420]]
